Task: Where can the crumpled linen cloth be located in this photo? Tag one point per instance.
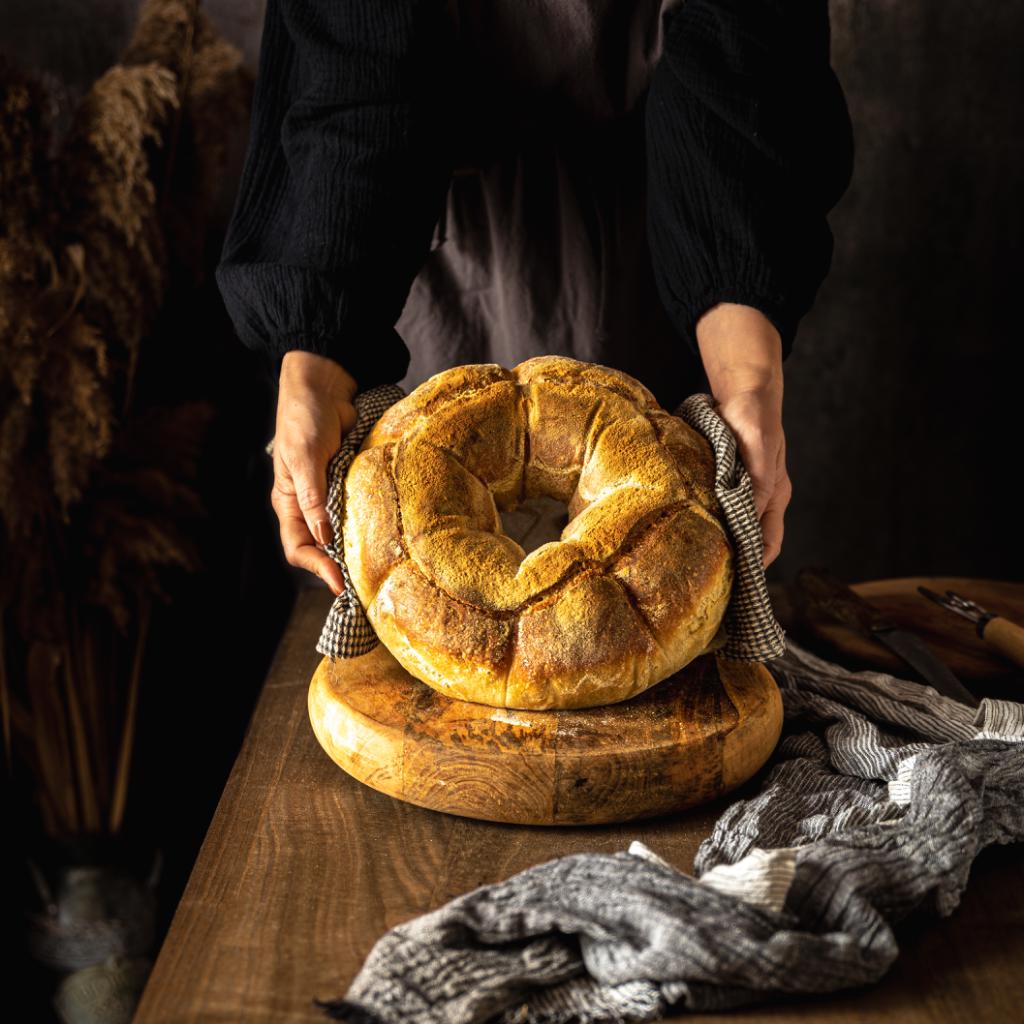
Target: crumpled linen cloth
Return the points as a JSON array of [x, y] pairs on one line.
[[752, 633], [881, 794]]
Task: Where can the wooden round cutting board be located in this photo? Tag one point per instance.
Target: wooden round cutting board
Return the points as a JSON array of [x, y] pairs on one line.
[[684, 741]]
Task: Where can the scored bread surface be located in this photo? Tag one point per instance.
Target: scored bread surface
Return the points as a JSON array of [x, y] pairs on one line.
[[636, 587]]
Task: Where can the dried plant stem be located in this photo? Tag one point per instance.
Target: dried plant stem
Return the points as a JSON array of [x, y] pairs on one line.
[[50, 816], [131, 714], [5, 701], [94, 705], [80, 746], [50, 734]]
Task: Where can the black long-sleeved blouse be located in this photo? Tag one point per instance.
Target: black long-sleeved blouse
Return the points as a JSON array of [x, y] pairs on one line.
[[748, 140]]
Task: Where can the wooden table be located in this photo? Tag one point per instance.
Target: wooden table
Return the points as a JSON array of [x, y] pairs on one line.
[[304, 868]]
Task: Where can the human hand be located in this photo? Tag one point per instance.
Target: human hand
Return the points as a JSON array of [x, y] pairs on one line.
[[742, 355], [314, 411]]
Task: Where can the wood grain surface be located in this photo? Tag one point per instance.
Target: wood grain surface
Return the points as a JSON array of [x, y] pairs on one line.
[[954, 638], [682, 742], [304, 868]]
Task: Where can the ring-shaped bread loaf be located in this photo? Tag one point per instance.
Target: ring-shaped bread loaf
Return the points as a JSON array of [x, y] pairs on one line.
[[635, 588]]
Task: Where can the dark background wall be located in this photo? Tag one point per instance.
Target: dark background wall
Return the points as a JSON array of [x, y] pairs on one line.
[[902, 405]]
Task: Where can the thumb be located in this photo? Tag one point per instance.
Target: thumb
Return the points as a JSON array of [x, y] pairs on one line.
[[348, 416]]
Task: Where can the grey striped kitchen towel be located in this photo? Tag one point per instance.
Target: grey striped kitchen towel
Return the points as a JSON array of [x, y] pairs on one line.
[[751, 629], [880, 795]]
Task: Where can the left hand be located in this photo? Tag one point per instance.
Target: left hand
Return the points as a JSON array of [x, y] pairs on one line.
[[742, 355]]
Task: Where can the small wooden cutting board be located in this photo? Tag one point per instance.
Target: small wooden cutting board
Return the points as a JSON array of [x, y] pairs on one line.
[[685, 741], [953, 638]]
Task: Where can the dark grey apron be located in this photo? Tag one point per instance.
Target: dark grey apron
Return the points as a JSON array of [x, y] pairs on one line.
[[542, 246]]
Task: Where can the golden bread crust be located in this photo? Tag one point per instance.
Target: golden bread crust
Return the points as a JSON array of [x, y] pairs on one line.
[[634, 590]]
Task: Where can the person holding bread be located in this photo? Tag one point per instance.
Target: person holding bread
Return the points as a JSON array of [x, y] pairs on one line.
[[434, 182]]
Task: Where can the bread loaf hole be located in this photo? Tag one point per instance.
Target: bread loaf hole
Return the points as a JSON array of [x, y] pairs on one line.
[[535, 521]]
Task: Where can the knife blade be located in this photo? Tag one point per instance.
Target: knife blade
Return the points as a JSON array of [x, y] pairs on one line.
[[920, 657], [823, 590]]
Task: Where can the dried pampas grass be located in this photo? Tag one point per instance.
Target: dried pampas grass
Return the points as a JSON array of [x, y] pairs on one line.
[[109, 199], [97, 491], [58, 420]]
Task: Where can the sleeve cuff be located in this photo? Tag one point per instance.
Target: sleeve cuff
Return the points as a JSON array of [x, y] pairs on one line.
[[380, 358], [775, 309], [277, 309]]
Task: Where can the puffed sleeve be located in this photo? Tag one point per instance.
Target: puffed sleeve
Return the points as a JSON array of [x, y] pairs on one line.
[[749, 145], [343, 180]]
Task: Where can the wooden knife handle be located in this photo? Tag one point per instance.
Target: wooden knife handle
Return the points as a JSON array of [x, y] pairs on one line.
[[1006, 637]]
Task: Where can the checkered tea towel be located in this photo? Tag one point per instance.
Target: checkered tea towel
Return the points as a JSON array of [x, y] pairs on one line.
[[752, 631]]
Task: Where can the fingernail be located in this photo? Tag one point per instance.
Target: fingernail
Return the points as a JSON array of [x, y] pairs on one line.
[[322, 532]]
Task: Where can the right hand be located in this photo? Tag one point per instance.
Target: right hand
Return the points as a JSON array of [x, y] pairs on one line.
[[314, 412]]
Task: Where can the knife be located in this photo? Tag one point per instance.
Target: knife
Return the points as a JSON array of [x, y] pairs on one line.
[[996, 630], [823, 590]]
